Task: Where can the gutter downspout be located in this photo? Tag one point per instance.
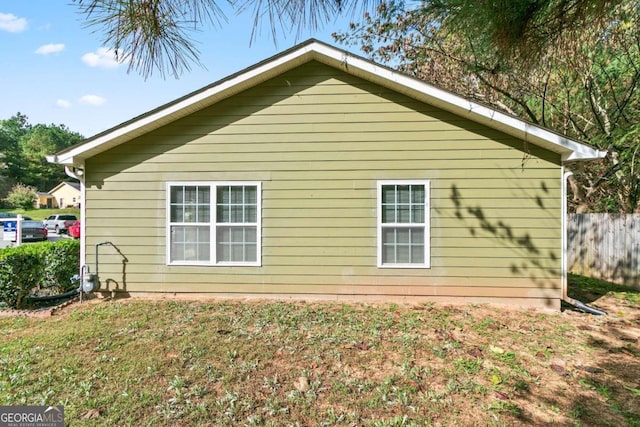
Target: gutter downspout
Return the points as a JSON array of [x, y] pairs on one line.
[[564, 281], [78, 173]]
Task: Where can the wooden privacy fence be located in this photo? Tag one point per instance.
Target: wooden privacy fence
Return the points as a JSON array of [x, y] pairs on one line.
[[605, 246]]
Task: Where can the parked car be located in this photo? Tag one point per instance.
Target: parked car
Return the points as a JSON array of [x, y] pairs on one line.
[[8, 216], [33, 231], [59, 222], [74, 230]]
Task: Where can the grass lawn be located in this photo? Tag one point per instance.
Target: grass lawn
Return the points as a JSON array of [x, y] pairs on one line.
[[273, 363], [40, 214]]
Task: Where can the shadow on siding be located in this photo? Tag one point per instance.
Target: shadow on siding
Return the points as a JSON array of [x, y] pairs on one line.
[[540, 265]]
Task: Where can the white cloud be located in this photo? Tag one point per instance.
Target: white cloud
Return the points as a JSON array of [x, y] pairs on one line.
[[94, 100], [102, 57], [11, 23], [50, 48], [63, 103]]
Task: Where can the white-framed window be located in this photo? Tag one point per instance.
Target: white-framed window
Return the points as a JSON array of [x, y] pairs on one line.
[[403, 224], [214, 223]]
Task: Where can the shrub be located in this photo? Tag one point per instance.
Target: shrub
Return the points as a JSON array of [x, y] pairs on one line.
[[20, 272], [22, 196], [47, 265], [61, 261]]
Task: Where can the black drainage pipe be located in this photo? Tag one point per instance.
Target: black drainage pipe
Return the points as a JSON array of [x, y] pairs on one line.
[[48, 298]]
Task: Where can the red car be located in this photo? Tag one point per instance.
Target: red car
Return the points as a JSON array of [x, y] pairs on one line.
[[74, 230]]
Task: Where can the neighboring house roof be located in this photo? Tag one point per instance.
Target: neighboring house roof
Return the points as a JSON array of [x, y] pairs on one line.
[[74, 185], [363, 68]]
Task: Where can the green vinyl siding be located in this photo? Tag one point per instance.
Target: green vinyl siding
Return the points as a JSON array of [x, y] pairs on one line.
[[318, 141]]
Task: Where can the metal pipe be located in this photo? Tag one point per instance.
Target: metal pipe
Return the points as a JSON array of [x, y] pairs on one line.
[[97, 246], [83, 270], [71, 293]]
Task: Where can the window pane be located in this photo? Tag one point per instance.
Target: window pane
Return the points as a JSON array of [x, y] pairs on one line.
[[177, 201], [417, 195], [251, 253], [403, 245], [237, 195], [177, 194], [417, 214], [204, 212], [189, 204], [190, 213], [417, 254], [404, 214], [403, 204], [388, 245], [251, 195], [223, 214], [388, 254], [417, 236], [205, 196], [190, 243], [250, 235], [223, 252], [403, 254], [223, 195], [237, 204], [237, 214], [237, 252], [388, 214], [190, 195], [403, 193], [251, 214], [388, 194], [177, 214], [237, 234], [236, 244], [177, 251], [403, 235]]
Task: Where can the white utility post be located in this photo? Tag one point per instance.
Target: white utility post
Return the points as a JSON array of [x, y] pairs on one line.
[[19, 230]]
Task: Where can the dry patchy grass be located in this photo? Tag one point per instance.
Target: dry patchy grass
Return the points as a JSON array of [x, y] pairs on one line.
[[276, 363]]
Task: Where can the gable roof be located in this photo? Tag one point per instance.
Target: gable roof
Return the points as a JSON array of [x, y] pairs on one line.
[[74, 185], [363, 68]]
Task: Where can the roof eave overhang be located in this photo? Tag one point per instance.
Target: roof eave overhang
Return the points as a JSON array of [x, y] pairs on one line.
[[184, 106], [568, 149]]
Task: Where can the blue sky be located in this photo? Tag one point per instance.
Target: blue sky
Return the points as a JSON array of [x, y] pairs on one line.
[[57, 71]]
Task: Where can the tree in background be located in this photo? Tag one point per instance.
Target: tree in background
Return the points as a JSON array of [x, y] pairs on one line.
[[22, 197], [23, 148], [571, 65], [156, 35], [40, 141], [11, 131], [580, 80]]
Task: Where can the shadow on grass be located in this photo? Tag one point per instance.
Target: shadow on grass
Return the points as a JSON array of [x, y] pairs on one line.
[[588, 290]]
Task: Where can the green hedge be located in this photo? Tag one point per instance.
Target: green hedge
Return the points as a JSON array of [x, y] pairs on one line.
[[47, 265]]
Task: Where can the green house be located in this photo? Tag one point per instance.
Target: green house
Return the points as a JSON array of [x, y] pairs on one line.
[[317, 174]]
